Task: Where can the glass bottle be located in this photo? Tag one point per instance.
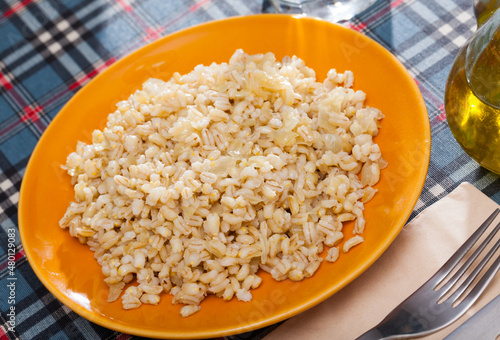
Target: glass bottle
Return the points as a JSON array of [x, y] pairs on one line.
[[472, 94], [331, 10]]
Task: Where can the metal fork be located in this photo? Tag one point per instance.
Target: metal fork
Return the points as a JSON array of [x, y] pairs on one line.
[[428, 310]]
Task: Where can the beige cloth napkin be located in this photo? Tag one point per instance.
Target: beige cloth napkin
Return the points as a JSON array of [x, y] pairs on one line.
[[421, 248]]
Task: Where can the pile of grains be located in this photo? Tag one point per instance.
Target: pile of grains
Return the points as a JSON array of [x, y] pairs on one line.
[[196, 183]]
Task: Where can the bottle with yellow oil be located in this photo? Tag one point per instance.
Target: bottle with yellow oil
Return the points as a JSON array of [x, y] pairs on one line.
[[472, 95]]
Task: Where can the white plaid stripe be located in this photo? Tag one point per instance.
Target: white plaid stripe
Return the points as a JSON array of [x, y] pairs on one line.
[[5, 184]]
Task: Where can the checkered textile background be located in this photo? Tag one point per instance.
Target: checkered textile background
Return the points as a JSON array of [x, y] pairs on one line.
[[49, 49]]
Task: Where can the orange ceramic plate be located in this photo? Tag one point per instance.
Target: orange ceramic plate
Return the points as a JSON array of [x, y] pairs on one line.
[[68, 268]]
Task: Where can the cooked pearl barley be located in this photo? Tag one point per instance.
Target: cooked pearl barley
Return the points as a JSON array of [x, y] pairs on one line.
[[353, 241], [189, 309], [197, 182], [333, 254]]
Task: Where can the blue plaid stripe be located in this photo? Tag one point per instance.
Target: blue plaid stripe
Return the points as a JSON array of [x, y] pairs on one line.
[[50, 48]]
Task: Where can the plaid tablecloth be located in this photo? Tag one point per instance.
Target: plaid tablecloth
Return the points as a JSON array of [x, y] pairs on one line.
[[49, 49]]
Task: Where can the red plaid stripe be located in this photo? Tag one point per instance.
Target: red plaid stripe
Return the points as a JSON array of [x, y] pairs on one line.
[[376, 16], [442, 116], [4, 81], [396, 3], [3, 335], [153, 34], [16, 7], [19, 254], [198, 5], [125, 5], [87, 77], [357, 27], [190, 10], [31, 113]]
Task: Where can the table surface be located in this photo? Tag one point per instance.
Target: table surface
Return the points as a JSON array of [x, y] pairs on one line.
[[49, 49]]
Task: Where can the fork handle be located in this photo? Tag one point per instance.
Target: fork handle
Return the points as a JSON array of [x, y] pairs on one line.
[[372, 334]]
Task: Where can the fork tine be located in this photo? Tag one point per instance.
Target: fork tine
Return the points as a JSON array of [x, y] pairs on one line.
[[481, 285], [468, 263], [460, 253], [475, 273]]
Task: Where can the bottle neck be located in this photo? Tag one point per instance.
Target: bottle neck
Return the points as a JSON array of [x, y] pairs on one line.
[[484, 9], [482, 61]]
